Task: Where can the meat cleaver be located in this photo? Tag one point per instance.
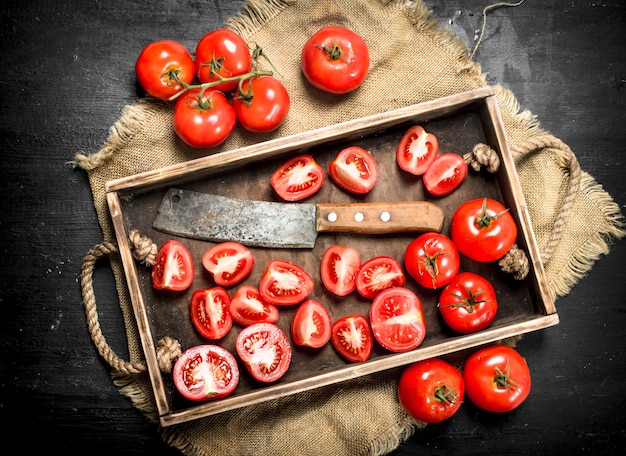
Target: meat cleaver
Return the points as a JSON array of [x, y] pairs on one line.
[[286, 225]]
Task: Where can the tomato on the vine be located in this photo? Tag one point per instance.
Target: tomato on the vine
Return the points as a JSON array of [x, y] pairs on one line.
[[338, 269], [162, 66], [220, 54], [417, 150], [173, 267], [310, 325], [247, 307], [354, 169], [297, 178], [284, 283], [483, 229], [265, 351], [397, 319], [432, 260], [228, 263], [205, 373], [210, 314], [468, 303], [335, 59], [377, 274], [431, 390], [352, 338], [497, 378], [261, 104], [445, 174], [203, 119]]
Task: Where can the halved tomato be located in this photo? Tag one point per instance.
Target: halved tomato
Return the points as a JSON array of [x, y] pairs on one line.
[[445, 174], [284, 283], [310, 325], [377, 274], [417, 150], [297, 178], [397, 319], [247, 307], [205, 373], [354, 169], [265, 351], [228, 262], [209, 312], [173, 267], [352, 338], [338, 269]]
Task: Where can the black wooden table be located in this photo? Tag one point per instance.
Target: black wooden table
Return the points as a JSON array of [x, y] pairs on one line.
[[67, 72]]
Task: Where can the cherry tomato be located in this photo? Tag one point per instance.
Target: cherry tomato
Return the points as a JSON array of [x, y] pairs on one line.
[[203, 120], [284, 283], [397, 319], [222, 53], [210, 312], [247, 307], [297, 178], [265, 351], [335, 60], [432, 260], [205, 373], [468, 304], [261, 104], [431, 390], [310, 325], [445, 174], [228, 263], [161, 66], [173, 267], [417, 150], [338, 269], [354, 169], [377, 274], [483, 229], [352, 338], [497, 378]]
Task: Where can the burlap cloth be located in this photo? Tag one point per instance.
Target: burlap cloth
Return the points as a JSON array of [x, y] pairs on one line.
[[413, 59]]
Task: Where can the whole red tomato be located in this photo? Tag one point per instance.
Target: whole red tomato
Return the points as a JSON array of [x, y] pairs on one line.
[[265, 351], [261, 104], [335, 60], [173, 267], [354, 169], [468, 303], [222, 53], [432, 260], [431, 390], [297, 178], [417, 150], [203, 119], [497, 378], [483, 229], [162, 66]]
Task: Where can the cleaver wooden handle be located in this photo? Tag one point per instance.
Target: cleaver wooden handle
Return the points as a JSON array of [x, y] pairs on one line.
[[379, 218]]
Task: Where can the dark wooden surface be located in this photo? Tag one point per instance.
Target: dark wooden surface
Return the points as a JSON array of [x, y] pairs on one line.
[[67, 71]]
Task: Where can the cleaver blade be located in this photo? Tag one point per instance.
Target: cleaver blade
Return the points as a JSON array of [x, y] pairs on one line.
[[286, 225]]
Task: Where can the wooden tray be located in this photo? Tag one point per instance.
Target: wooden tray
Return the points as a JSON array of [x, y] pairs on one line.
[[459, 121]]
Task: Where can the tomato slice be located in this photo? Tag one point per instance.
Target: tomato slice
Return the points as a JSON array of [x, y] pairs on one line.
[[445, 174], [352, 338], [228, 263], [417, 150], [310, 325], [173, 267], [354, 169], [265, 351], [432, 259], [377, 274], [210, 313], [297, 178], [284, 283], [338, 269], [247, 307], [205, 373], [397, 319]]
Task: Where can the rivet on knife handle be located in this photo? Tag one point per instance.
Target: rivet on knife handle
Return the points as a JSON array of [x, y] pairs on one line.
[[380, 218]]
